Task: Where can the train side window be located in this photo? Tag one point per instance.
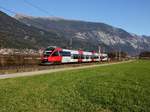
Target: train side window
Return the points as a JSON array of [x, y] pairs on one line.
[[92, 57], [55, 53], [82, 56], [87, 57], [65, 53], [96, 57], [72, 56], [75, 56]]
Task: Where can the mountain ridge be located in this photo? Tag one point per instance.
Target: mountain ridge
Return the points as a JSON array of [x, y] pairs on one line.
[[35, 32], [15, 34], [20, 16], [101, 34]]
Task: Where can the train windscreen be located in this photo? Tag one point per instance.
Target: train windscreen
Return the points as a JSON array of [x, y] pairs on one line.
[[49, 49], [47, 53]]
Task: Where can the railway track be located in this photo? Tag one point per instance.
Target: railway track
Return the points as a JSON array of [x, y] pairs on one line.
[[42, 72], [28, 68]]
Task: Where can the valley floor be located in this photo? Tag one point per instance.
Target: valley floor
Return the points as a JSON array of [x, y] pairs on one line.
[[43, 72], [121, 87]]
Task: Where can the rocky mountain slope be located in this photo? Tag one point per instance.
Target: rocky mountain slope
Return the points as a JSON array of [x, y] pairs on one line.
[[14, 34], [35, 32], [108, 37]]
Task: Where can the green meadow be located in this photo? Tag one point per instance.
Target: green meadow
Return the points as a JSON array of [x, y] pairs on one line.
[[113, 88]]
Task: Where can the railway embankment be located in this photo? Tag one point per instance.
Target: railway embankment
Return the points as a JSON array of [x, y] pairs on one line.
[[62, 68]]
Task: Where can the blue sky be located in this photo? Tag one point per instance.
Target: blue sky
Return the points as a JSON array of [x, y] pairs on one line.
[[131, 15]]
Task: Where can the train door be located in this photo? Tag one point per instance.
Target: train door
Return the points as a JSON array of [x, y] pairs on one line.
[[81, 57]]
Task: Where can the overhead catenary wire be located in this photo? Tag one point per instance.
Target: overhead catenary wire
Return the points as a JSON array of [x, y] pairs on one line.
[[8, 10], [38, 8], [17, 34], [32, 5], [33, 20]]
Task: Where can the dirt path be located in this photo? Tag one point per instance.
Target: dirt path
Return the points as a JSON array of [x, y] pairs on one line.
[[54, 70]]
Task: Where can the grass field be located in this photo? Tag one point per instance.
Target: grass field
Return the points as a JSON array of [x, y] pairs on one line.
[[114, 88]]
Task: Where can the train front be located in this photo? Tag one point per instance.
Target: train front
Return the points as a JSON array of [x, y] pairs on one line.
[[46, 54]]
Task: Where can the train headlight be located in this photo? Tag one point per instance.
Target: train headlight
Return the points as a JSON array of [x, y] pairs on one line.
[[45, 58]]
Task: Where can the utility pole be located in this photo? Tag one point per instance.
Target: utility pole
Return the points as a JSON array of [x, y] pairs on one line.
[[119, 54], [70, 43], [103, 49], [99, 49], [119, 51], [139, 49], [1, 44], [116, 54]]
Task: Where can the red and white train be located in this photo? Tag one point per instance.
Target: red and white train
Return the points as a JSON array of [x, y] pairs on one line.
[[52, 55]]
